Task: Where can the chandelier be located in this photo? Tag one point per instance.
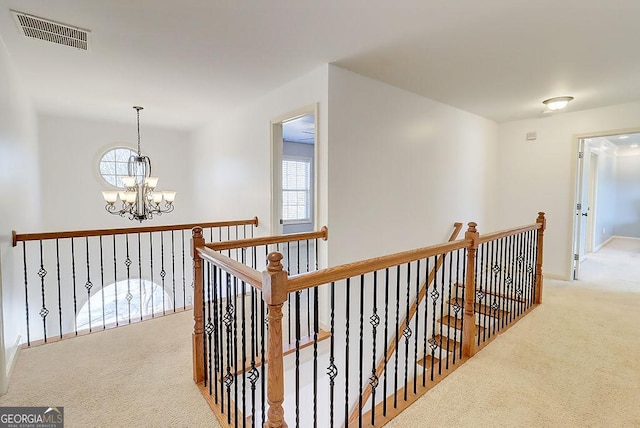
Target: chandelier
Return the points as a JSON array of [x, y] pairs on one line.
[[140, 199]]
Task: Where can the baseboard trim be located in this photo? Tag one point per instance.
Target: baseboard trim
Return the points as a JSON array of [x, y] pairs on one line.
[[11, 363], [599, 247], [556, 276], [626, 237]]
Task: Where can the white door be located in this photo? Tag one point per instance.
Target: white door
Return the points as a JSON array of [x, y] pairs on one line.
[[580, 222]]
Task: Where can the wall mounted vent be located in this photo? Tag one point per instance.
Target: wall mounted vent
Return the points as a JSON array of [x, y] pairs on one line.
[[54, 32]]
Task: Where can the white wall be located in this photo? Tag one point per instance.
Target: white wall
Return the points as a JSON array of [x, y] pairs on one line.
[[70, 149], [541, 175], [402, 168], [606, 198], [20, 195], [233, 166], [628, 192]]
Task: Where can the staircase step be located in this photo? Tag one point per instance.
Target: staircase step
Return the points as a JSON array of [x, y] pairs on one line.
[[496, 293], [454, 322], [483, 309], [444, 342], [428, 360]]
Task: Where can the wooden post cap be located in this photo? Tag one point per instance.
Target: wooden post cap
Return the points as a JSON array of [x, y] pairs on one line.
[[196, 232], [275, 264], [472, 227]]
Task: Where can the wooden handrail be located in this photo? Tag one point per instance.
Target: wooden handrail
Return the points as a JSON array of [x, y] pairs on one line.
[[507, 232], [391, 347], [266, 240], [17, 237], [240, 270], [325, 276]]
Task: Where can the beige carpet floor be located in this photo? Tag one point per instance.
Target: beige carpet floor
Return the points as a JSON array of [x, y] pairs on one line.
[[572, 362], [133, 376]]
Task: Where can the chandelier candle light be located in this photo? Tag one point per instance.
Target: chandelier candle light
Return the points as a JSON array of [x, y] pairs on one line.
[[140, 200]]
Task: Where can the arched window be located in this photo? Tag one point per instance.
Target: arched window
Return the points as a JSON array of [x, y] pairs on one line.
[[123, 301]]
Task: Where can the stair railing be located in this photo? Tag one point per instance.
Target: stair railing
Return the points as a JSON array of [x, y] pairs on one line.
[[77, 282], [481, 286]]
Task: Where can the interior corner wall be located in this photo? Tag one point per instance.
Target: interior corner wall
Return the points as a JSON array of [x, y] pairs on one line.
[[233, 166], [20, 209], [628, 196], [70, 150], [540, 175], [402, 168]]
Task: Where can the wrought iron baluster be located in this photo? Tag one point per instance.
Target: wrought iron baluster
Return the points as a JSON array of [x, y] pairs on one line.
[[153, 283], [434, 297], [102, 282], [215, 328], [140, 274], [127, 263], [417, 330], [297, 362], [184, 275], [263, 382], [442, 297], [332, 370], [73, 276], [316, 329], [253, 373], [43, 309], [487, 286], [224, 351], [173, 270], [406, 332], [456, 309], [243, 345], [375, 322], [361, 348], [208, 329], [464, 286], [426, 323], [115, 279], [395, 367], [511, 261], [26, 291], [531, 268], [88, 285], [346, 364], [235, 346], [478, 287], [308, 295], [455, 318], [386, 340], [289, 296], [59, 287]]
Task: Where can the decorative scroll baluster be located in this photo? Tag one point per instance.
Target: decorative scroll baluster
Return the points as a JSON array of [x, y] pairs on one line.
[[215, 328], [235, 347], [253, 373], [297, 369], [88, 285], [332, 370], [407, 332], [153, 305], [316, 329], [43, 310], [434, 297], [184, 274], [375, 322], [209, 328], [455, 319], [127, 263], [426, 327]]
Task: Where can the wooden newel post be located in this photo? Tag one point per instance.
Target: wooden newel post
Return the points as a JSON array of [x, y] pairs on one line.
[[197, 343], [539, 279], [469, 316], [275, 293]]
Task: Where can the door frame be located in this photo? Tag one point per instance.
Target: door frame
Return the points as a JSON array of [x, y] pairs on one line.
[[577, 176], [276, 164]]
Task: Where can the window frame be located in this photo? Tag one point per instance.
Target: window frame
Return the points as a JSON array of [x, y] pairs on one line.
[[309, 190], [100, 160]]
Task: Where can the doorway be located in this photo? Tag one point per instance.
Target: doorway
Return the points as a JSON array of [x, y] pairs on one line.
[[607, 197], [293, 139]]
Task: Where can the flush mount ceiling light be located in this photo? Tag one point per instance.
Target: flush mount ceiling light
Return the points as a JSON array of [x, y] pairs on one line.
[[557, 103]]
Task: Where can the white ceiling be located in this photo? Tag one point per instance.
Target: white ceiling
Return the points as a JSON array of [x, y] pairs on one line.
[[190, 61]]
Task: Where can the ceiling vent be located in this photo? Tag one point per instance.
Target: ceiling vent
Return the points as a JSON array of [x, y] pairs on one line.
[[50, 31]]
